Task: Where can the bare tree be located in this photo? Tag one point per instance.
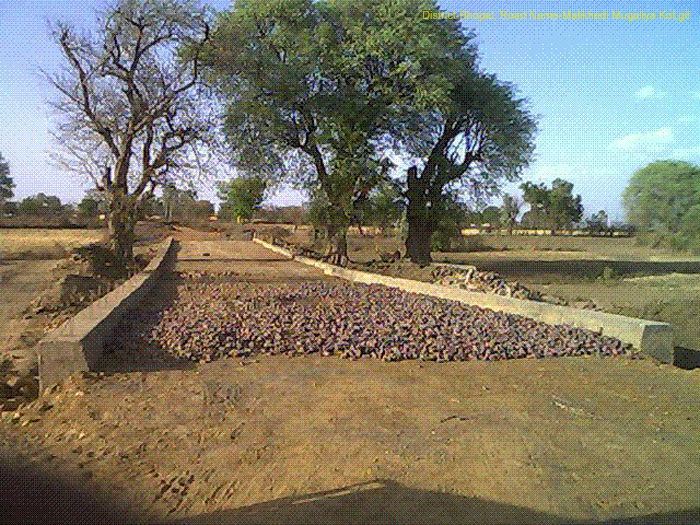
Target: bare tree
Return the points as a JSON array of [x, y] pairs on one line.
[[132, 113], [510, 211]]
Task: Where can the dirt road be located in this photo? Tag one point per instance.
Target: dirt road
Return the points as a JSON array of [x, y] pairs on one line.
[[321, 439]]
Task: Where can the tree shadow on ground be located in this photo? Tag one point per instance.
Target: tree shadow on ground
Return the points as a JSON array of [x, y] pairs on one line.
[[580, 268], [385, 501], [130, 350], [31, 494], [233, 261]]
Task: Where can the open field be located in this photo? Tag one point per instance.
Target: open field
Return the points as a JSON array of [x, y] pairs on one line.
[[327, 440], [486, 247], [33, 243], [622, 248]]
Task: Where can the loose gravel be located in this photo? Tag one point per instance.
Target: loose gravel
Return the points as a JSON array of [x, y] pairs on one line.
[[216, 316]]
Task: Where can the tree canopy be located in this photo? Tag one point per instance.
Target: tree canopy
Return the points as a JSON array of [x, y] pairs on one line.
[[41, 204], [322, 92], [664, 198], [557, 205], [510, 211], [385, 205], [241, 197], [6, 182], [475, 135], [597, 222]]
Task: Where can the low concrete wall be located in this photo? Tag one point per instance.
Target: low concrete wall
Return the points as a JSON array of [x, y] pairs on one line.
[[651, 337], [78, 343]]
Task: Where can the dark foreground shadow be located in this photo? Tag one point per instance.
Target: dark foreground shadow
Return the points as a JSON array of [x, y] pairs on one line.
[[130, 349], [29, 494], [385, 501]]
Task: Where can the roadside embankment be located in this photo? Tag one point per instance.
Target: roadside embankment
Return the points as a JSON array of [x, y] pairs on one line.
[[79, 343]]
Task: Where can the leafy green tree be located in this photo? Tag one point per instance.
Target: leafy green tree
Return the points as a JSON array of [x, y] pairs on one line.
[[89, 207], [385, 206], [315, 87], [149, 205], [534, 219], [6, 182], [177, 202], [480, 135], [664, 198], [597, 222], [558, 206], [241, 197], [317, 213], [473, 218], [41, 205], [448, 232], [510, 211], [9, 208], [491, 215], [566, 209]]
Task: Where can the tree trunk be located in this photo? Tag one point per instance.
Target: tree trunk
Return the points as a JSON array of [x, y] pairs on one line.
[[419, 242], [337, 249], [121, 229], [420, 224]]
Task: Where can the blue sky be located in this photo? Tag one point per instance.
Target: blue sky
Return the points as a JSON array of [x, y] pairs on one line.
[[612, 95]]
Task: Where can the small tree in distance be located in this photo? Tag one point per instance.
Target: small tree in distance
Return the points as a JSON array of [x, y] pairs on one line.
[[6, 182], [41, 205], [510, 211], [241, 198], [89, 207], [491, 215], [560, 208], [597, 222], [385, 206]]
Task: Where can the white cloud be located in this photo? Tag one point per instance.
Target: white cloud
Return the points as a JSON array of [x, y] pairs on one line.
[[641, 141], [649, 92], [686, 118]]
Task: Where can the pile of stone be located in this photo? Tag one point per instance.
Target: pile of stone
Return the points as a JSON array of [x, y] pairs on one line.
[[472, 279], [210, 320]]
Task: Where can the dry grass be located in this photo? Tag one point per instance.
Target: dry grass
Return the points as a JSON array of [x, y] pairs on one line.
[[43, 243]]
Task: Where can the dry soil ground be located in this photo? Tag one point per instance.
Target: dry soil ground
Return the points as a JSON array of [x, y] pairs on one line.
[[31, 262], [320, 439], [28, 267]]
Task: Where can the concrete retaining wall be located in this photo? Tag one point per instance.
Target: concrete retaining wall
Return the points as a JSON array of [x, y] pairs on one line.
[[78, 343], [650, 337]]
